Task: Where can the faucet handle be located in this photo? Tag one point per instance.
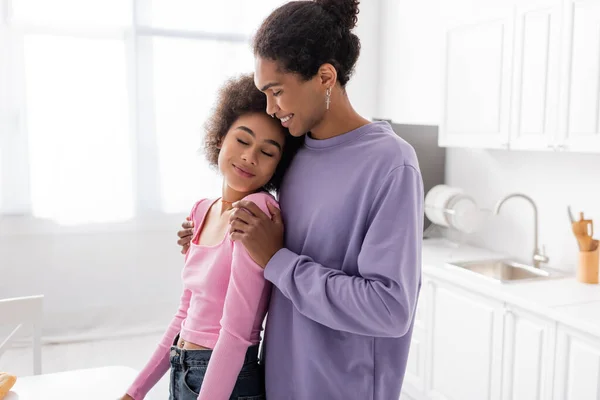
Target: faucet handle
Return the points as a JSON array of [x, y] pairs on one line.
[[541, 256]]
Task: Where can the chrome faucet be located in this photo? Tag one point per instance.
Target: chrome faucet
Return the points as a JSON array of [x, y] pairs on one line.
[[538, 257]]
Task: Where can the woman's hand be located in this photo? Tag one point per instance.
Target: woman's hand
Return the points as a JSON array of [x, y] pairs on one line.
[[261, 235], [185, 235], [126, 397]]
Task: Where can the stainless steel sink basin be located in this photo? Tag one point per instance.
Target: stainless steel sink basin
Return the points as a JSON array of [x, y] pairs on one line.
[[505, 271]]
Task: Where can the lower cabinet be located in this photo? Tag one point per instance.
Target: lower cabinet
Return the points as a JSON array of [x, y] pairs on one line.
[[468, 346], [414, 378], [577, 372], [465, 343], [528, 356]]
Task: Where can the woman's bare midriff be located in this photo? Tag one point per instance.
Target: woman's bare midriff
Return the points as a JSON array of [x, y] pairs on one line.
[[182, 344]]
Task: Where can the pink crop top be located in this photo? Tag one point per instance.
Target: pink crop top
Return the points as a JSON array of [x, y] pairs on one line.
[[224, 302]]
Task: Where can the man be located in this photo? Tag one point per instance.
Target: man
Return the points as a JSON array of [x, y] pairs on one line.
[[347, 276]]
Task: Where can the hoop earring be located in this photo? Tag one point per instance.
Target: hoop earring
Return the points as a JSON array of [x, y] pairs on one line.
[[327, 97]]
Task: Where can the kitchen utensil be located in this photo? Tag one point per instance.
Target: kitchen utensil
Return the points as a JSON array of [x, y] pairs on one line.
[[571, 218], [586, 243], [583, 227]]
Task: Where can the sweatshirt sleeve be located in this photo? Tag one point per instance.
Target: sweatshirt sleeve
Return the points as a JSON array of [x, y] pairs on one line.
[[159, 363], [247, 296], [381, 300]]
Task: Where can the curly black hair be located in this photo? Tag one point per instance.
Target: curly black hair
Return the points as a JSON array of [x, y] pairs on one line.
[[303, 35], [238, 96]]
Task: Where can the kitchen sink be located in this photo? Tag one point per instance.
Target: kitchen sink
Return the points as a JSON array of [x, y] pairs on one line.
[[505, 271]]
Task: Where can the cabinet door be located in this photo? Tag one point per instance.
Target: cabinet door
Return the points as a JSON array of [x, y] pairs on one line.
[[528, 356], [579, 122], [465, 344], [534, 120], [414, 378], [577, 366], [477, 73]]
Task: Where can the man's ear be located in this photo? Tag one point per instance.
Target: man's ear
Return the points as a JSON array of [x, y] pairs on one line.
[[327, 75]]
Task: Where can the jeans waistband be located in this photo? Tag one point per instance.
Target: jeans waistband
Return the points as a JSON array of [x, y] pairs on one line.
[[201, 357]]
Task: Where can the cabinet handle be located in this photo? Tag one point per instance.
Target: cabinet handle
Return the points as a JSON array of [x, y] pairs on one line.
[[562, 147]]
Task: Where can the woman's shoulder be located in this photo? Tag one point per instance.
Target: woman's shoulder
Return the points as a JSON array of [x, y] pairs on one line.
[[261, 199], [200, 207]]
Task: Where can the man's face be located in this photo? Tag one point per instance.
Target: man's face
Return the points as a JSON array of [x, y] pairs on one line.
[[297, 103]]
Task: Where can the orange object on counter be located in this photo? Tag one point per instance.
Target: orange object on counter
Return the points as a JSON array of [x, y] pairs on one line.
[[7, 381], [587, 270]]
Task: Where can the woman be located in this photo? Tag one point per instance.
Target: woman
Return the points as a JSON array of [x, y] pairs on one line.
[[212, 343]]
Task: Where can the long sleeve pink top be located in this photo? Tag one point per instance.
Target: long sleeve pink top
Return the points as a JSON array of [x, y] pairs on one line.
[[224, 301]]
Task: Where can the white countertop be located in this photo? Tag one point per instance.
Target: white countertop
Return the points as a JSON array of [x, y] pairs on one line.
[[563, 299], [90, 384]]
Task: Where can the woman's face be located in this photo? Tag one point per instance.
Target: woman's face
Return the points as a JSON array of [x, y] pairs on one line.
[[250, 152], [298, 104]]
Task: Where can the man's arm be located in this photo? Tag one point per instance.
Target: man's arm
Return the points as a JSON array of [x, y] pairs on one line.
[[381, 301]]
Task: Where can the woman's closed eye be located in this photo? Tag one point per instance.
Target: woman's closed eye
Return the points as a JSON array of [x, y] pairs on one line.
[[267, 154], [277, 93], [242, 142]]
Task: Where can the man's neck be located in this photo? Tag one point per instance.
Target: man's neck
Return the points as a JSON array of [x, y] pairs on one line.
[[338, 120]]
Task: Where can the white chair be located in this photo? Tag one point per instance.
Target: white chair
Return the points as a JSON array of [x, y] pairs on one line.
[[24, 312]]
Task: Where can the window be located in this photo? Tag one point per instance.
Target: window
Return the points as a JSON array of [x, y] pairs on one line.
[[186, 82], [102, 117]]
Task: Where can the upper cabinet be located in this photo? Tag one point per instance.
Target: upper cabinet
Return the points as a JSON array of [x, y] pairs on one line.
[[535, 83], [579, 113], [526, 77], [478, 56]]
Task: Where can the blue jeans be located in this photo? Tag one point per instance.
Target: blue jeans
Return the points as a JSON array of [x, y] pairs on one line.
[[189, 366]]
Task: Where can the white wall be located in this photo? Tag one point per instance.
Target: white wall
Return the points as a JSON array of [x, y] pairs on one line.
[[97, 280], [363, 86], [409, 90]]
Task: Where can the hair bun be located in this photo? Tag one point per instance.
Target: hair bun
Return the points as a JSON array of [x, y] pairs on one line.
[[346, 11]]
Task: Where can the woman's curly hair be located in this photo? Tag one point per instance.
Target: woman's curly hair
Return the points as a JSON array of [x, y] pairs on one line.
[[303, 35], [237, 97]]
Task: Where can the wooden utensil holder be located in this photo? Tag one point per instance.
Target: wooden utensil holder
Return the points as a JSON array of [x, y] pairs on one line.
[[587, 270]]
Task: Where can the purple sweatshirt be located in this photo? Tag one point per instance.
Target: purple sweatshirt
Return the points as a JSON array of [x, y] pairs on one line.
[[346, 286]]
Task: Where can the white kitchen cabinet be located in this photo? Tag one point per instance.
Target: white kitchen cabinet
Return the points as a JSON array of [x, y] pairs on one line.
[[465, 342], [477, 61], [541, 59], [579, 117], [528, 356], [534, 115], [577, 366], [414, 377]]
